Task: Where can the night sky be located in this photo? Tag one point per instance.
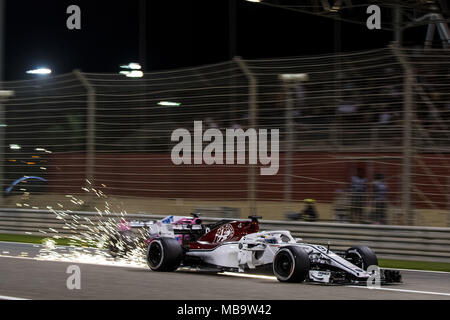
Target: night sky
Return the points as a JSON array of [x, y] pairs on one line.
[[179, 34]]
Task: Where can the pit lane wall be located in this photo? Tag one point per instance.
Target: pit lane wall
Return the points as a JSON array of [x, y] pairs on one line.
[[389, 242]]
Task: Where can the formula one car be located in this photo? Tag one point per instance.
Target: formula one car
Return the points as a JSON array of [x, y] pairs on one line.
[[238, 246], [134, 234]]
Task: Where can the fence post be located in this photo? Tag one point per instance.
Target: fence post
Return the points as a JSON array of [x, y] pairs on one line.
[[407, 209], [90, 135], [290, 82], [253, 123], [288, 148]]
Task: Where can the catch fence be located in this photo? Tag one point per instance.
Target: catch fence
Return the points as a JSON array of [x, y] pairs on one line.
[[384, 113]]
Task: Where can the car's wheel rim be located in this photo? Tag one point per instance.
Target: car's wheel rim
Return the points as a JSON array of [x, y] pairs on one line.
[[357, 259], [155, 254], [284, 265]]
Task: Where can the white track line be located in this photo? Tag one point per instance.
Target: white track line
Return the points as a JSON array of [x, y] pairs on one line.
[[74, 261], [22, 243], [404, 290], [12, 298], [19, 257], [243, 275]]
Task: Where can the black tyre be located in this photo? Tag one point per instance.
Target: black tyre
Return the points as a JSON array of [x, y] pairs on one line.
[[164, 254], [291, 264], [362, 257]]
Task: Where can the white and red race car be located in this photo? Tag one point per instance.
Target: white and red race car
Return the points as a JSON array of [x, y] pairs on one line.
[[239, 246]]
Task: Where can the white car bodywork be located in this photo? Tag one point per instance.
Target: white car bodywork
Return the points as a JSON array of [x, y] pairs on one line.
[[259, 249]]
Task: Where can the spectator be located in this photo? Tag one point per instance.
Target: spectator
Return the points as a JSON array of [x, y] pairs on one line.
[[380, 198], [358, 190]]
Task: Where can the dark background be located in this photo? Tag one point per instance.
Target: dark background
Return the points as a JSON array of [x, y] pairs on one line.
[[179, 34]]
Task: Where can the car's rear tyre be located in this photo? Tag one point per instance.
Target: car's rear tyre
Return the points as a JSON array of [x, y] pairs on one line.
[[291, 264], [164, 255], [362, 257]]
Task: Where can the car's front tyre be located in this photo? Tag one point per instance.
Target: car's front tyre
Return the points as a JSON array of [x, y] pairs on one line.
[[291, 264], [362, 257]]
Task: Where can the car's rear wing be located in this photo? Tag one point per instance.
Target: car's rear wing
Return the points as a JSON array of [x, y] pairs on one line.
[[141, 224]]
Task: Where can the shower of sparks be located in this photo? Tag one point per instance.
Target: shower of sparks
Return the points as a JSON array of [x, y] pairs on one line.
[[96, 239]]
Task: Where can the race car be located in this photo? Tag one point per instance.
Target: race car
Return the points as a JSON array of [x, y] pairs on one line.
[[132, 235], [239, 246]]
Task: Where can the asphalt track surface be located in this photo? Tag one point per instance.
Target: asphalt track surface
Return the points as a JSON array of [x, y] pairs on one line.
[[22, 276]]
